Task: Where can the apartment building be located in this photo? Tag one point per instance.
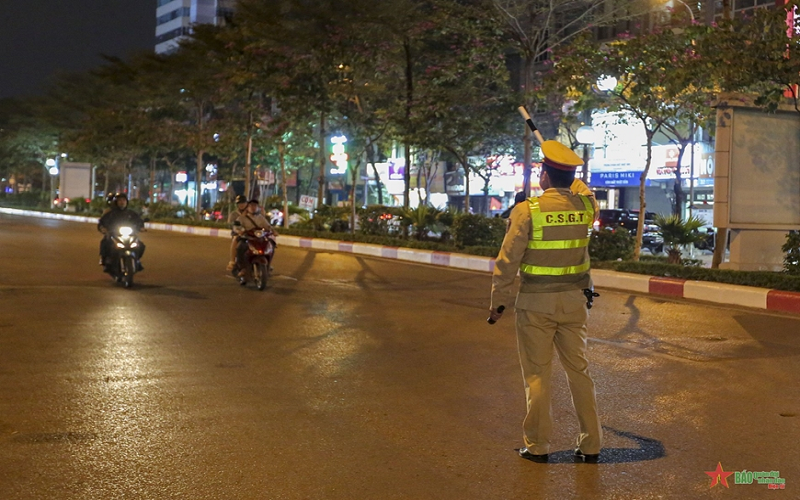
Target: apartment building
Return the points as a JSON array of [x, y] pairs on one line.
[[174, 19]]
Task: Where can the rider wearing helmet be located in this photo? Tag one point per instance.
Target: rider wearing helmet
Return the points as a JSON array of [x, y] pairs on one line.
[[111, 221], [241, 208], [252, 218]]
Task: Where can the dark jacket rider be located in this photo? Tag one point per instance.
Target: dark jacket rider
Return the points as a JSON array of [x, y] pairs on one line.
[[111, 221]]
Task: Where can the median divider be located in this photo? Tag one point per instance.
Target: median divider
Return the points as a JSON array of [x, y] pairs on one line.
[[707, 291]]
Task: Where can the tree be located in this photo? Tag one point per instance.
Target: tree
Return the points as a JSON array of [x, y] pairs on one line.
[[690, 87], [677, 233], [101, 117], [535, 28], [25, 143], [756, 55], [463, 103], [641, 65]]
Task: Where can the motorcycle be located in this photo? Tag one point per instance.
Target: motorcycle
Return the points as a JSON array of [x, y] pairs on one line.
[[707, 242], [257, 258], [123, 259]]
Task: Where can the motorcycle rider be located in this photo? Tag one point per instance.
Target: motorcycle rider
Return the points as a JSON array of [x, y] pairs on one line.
[[109, 207], [111, 221], [252, 218], [241, 208]]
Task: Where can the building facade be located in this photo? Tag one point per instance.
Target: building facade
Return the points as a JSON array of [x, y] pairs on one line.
[[174, 19]]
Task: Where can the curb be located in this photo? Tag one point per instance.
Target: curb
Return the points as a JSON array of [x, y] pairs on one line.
[[707, 291]]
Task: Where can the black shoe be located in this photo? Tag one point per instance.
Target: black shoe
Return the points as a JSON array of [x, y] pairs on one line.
[[586, 458], [540, 459], [139, 267]]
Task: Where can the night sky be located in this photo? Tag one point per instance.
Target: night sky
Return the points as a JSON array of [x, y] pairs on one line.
[[39, 38]]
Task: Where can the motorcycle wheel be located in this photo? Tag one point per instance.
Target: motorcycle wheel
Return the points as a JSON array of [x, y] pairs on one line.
[[128, 269], [260, 273]]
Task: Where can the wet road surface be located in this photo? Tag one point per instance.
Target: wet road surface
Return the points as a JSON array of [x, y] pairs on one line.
[[357, 378]]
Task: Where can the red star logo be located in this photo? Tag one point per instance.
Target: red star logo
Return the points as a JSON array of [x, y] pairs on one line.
[[719, 476]]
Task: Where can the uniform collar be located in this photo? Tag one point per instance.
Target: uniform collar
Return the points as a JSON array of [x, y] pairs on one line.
[[564, 191]]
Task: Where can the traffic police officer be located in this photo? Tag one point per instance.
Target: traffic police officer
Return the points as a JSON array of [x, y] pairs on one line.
[[547, 243]]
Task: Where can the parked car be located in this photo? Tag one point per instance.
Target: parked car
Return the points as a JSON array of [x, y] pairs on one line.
[[615, 218], [612, 219]]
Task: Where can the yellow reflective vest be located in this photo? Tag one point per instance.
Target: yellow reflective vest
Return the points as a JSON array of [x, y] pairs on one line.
[[558, 246]]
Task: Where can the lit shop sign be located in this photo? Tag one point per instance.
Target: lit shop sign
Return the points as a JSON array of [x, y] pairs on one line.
[[397, 172], [616, 179], [339, 157], [181, 177]]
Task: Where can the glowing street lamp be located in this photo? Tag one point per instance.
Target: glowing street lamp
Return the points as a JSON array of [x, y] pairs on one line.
[[606, 83]]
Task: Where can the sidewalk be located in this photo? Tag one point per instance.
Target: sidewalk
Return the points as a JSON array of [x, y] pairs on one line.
[[706, 291]]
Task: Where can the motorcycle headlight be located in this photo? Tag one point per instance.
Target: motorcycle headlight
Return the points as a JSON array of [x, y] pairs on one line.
[[120, 245], [259, 233], [126, 231], [134, 245]]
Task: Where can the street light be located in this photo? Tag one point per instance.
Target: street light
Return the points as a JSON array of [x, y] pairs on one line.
[[585, 136], [691, 14], [52, 165], [606, 83]]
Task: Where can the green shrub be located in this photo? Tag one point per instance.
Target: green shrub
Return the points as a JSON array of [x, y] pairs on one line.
[[27, 199], [471, 230], [191, 222], [164, 210], [678, 232], [328, 218], [98, 205], [137, 205], [791, 262], [276, 202], [421, 220], [665, 260], [79, 205], [763, 279], [368, 238], [611, 245], [489, 251], [375, 219]]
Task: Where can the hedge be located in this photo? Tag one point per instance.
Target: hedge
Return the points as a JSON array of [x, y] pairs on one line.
[[762, 279], [652, 266]]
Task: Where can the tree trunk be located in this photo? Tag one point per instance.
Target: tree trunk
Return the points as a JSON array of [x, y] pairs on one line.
[[45, 194], [105, 181], [322, 158], [248, 165], [637, 249], [409, 101], [152, 186], [198, 184], [466, 187], [285, 195], [354, 179], [371, 161], [677, 209]]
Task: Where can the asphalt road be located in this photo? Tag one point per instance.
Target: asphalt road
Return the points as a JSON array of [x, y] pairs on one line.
[[357, 378]]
